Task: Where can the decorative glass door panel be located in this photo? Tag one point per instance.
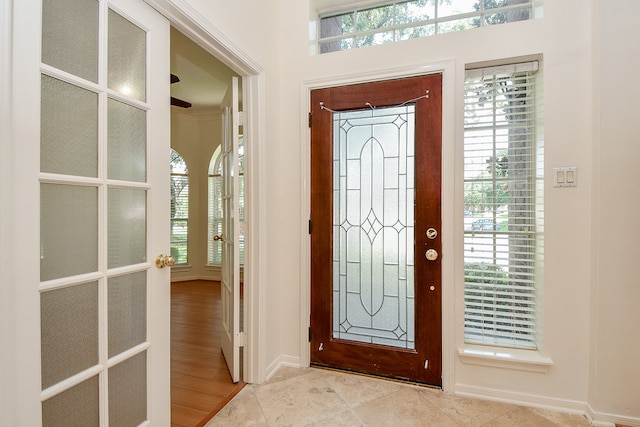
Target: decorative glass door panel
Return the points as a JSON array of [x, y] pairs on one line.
[[373, 227], [375, 204], [99, 361]]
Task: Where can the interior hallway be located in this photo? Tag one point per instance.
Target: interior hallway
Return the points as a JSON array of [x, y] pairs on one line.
[[318, 397], [200, 381]]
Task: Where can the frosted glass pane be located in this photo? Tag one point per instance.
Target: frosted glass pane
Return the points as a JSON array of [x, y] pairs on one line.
[[69, 331], [70, 36], [127, 311], [127, 144], [373, 227], [76, 407], [127, 228], [128, 392], [127, 57], [69, 230], [69, 129]]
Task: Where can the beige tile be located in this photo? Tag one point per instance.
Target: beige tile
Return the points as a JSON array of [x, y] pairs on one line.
[[406, 408], [301, 400], [521, 417], [358, 389], [346, 418], [562, 419], [466, 411], [285, 373], [243, 410]]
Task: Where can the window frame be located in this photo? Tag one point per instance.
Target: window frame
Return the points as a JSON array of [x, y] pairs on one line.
[[439, 24], [505, 282]]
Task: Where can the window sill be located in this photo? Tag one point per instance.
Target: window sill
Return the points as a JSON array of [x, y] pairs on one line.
[[522, 360]]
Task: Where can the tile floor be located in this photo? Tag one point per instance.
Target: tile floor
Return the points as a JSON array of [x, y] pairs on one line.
[[318, 397]]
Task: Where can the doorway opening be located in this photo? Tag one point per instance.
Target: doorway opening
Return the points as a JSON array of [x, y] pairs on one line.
[[200, 381]]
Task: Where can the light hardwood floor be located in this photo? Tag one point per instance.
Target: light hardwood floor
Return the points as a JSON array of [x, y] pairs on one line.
[[200, 382]]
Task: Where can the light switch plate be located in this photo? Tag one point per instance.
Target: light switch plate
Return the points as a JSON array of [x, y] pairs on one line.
[[565, 177]]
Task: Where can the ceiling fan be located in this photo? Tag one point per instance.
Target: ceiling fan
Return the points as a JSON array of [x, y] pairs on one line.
[[175, 101]]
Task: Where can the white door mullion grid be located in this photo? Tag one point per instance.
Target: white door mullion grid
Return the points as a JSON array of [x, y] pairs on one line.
[[103, 330]]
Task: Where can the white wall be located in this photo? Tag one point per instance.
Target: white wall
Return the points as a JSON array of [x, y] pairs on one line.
[[590, 299], [615, 384], [195, 135], [567, 86]]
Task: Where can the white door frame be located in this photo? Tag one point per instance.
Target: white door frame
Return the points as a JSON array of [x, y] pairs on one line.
[[7, 330], [190, 23], [448, 70]]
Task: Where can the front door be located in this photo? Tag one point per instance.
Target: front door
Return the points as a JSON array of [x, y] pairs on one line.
[[375, 224], [91, 136]]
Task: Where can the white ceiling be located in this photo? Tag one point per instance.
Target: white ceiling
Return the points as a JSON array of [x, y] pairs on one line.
[[203, 78]]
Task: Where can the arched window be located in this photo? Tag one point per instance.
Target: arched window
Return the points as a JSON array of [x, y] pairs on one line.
[[179, 208], [214, 216]]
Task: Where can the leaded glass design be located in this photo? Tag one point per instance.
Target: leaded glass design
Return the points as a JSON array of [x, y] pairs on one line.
[[373, 264]]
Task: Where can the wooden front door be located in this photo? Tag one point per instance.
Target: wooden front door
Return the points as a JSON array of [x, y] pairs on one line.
[[375, 224]]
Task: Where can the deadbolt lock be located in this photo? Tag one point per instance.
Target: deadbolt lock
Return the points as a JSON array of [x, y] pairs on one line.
[[432, 233], [431, 254]]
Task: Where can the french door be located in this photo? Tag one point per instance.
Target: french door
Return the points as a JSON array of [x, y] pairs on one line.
[[375, 224], [91, 128], [231, 230]]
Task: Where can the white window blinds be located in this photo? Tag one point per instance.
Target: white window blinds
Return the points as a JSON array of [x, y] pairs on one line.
[[179, 208], [214, 216], [503, 205]]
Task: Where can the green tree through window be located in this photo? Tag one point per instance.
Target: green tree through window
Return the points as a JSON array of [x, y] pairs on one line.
[[179, 208]]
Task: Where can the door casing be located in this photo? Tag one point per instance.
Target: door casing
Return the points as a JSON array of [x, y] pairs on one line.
[[190, 23]]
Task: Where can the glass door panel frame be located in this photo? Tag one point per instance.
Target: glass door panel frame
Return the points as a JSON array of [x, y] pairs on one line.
[[24, 335]]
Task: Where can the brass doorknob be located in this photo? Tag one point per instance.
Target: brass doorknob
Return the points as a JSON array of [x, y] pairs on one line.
[[163, 261], [431, 255]]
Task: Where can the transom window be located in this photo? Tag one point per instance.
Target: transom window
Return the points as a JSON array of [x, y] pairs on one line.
[[393, 21], [503, 202]]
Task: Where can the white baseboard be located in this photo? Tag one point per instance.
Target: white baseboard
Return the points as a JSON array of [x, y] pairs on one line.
[[599, 419], [605, 420], [280, 361], [531, 401]]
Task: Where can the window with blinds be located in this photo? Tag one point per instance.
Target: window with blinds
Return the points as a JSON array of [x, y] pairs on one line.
[[179, 208], [503, 202], [214, 216]]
